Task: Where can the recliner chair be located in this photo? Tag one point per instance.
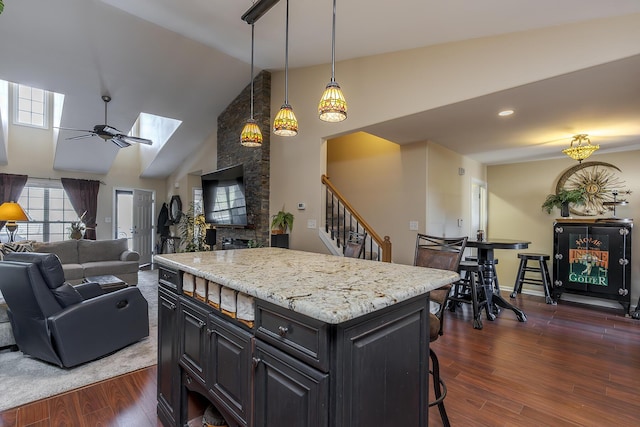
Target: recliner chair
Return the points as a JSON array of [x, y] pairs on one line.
[[63, 324]]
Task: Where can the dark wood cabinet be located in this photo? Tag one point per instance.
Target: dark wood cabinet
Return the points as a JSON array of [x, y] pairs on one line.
[[288, 392], [382, 342], [289, 369], [593, 258], [229, 366], [168, 375], [193, 337], [280, 240]]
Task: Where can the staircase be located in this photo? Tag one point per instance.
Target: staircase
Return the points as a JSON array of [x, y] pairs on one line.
[[343, 224]]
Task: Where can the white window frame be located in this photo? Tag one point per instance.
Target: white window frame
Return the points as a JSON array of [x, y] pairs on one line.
[[43, 227], [16, 104]]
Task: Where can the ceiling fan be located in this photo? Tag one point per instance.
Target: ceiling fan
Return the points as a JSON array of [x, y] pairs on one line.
[[109, 133]]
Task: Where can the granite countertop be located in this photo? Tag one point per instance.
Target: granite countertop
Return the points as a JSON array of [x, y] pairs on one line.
[[328, 288]]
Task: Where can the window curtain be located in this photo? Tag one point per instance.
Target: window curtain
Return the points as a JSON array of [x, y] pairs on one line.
[[83, 195], [10, 188]]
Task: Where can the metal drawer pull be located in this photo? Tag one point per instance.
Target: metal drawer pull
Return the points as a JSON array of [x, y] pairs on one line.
[[255, 361], [282, 330]]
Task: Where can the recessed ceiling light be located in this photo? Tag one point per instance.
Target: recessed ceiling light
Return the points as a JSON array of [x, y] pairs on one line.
[[504, 113]]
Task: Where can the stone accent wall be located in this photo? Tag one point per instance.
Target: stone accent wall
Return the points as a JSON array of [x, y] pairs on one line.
[[255, 160]]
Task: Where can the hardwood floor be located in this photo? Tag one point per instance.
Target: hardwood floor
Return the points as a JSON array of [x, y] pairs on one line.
[[568, 365], [125, 401]]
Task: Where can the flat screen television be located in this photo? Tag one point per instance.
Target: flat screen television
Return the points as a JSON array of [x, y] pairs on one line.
[[223, 197]]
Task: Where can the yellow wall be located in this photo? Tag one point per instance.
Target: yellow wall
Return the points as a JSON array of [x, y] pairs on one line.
[[385, 182], [517, 191], [391, 185]]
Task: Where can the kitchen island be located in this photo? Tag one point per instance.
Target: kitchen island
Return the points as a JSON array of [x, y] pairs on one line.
[[276, 337]]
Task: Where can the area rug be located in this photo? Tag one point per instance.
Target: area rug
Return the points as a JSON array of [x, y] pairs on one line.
[[24, 379]]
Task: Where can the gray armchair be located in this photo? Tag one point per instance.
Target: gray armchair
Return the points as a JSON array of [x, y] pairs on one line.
[[63, 324]]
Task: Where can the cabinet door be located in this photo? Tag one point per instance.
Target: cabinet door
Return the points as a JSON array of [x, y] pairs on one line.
[[193, 336], [570, 246], [168, 372], [287, 391], [229, 366], [383, 377]]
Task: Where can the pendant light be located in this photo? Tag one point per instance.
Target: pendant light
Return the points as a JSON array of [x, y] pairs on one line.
[[285, 123], [251, 135], [333, 106], [583, 148]]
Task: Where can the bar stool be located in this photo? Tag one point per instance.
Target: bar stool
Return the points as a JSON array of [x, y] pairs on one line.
[[466, 290], [542, 269]]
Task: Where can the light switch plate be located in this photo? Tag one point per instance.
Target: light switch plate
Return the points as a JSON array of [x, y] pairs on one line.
[[413, 225], [311, 223]]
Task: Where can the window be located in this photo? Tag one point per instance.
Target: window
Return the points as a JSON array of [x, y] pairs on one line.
[[197, 201], [50, 211], [30, 106]]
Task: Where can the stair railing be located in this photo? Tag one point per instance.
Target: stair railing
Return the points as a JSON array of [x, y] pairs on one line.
[[342, 221]]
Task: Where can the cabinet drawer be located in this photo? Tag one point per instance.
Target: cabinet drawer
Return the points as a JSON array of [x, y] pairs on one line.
[[298, 335], [169, 278]]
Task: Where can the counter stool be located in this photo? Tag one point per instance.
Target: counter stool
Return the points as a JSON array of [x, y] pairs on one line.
[[542, 269], [466, 290], [440, 296]]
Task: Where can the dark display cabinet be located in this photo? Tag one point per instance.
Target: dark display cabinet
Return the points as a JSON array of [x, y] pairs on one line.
[[593, 258]]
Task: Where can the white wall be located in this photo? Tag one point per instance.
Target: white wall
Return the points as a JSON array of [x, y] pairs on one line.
[[384, 87], [30, 152]]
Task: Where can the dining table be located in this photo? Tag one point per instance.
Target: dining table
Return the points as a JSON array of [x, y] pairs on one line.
[[486, 258]]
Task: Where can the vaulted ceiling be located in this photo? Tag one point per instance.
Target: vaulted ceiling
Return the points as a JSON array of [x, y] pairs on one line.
[[188, 59]]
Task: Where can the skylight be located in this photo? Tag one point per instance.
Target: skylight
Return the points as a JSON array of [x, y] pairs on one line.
[[30, 106], [156, 128]]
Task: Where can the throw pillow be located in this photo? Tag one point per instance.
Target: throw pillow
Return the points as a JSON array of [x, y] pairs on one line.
[[67, 295], [26, 246]]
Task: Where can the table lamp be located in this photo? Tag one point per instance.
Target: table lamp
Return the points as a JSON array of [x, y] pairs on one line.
[[12, 212]]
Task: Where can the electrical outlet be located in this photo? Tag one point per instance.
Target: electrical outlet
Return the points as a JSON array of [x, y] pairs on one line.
[[311, 223], [460, 222]]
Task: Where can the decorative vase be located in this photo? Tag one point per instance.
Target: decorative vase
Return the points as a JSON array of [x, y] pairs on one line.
[[564, 210], [75, 234]]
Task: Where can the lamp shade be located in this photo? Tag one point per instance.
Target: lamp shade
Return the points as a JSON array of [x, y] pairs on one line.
[[333, 105], [251, 135], [583, 148], [12, 211], [285, 123]]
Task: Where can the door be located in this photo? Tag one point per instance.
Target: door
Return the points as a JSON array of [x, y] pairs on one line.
[[478, 207], [142, 229]]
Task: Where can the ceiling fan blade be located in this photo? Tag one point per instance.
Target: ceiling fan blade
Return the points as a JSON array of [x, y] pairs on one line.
[[80, 137], [74, 129], [135, 140], [119, 141]]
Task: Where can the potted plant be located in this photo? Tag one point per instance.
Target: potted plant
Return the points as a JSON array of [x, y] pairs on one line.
[[76, 229], [281, 222], [562, 199]]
